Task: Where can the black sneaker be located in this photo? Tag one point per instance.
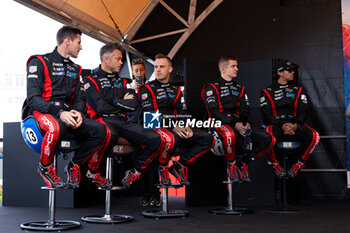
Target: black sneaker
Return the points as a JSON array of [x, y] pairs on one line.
[[155, 202], [244, 173], [145, 201], [234, 174], [99, 180], [73, 175], [164, 175], [130, 177], [180, 172], [50, 176]]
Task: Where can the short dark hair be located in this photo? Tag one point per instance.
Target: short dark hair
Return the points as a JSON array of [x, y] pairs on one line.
[[160, 56], [109, 48], [223, 60], [67, 32]]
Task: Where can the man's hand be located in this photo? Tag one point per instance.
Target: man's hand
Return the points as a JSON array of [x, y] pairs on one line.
[[78, 118], [72, 119], [136, 86], [183, 132], [289, 128], [241, 128], [68, 119], [128, 96]]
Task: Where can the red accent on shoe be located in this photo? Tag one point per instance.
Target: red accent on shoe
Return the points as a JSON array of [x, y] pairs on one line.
[[295, 169], [245, 173], [280, 172], [164, 175], [234, 173], [76, 176], [51, 171]]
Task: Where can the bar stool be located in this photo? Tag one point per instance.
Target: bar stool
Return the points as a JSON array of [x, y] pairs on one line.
[[287, 147], [231, 209], [122, 148], [33, 136], [218, 150], [165, 212]]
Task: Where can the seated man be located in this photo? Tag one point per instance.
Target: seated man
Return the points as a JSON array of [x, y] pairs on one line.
[[227, 101], [168, 100], [54, 96], [283, 106], [151, 193], [109, 101]]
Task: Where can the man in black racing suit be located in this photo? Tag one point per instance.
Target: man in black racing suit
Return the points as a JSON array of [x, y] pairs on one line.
[[284, 109], [227, 101], [55, 99], [159, 95], [109, 101]]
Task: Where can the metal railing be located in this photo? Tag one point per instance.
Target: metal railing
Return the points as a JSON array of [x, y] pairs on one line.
[[327, 169]]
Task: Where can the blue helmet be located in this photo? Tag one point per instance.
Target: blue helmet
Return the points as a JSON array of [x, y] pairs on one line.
[[32, 134]]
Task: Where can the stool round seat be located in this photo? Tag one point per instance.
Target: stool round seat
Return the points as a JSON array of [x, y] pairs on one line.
[[122, 148], [289, 145]]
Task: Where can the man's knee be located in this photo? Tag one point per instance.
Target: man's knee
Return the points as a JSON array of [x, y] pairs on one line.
[[154, 140]]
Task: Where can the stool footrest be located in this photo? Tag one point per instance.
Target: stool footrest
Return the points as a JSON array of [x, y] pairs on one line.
[[163, 214], [57, 225], [114, 188], [228, 211], [169, 186], [49, 188], [111, 219]]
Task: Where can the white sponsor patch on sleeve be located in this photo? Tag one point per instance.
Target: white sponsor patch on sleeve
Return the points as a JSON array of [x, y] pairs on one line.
[[32, 76], [303, 98]]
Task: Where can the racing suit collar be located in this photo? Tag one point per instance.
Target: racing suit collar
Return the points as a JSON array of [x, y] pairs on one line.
[[223, 82], [280, 86], [105, 74], [161, 84], [59, 57]]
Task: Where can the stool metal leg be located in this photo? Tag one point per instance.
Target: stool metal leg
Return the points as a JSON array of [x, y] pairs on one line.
[[282, 205], [52, 206], [165, 200], [51, 224], [108, 217], [230, 210], [165, 213], [230, 196]]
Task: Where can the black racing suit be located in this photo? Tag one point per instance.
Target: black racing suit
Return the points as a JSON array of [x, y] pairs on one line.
[[282, 104], [228, 102], [169, 101], [53, 86], [150, 176], [106, 104]]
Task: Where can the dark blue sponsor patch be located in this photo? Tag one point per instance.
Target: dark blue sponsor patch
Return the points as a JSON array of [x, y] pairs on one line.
[[161, 96], [57, 73]]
